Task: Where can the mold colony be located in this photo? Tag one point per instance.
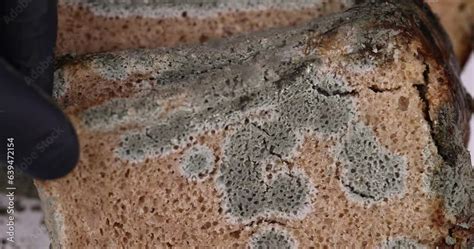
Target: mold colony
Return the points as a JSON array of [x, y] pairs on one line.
[[241, 178], [117, 112], [197, 163], [371, 171], [272, 237], [311, 103], [237, 136], [402, 243]]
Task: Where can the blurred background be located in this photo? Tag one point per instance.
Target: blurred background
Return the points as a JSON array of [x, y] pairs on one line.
[[468, 81]]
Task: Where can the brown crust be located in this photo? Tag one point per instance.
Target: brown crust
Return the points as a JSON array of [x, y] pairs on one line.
[[436, 42]]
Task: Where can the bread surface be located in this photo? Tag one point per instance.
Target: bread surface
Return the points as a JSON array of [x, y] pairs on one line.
[[344, 132]]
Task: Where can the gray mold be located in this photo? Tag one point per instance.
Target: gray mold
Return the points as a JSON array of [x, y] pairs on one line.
[[197, 163], [119, 66], [319, 113], [122, 111], [453, 180], [402, 243], [370, 171], [247, 194], [272, 238], [298, 107], [61, 86], [157, 140], [454, 184]]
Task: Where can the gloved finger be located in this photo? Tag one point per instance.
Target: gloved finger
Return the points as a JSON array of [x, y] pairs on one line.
[[27, 39], [45, 143]]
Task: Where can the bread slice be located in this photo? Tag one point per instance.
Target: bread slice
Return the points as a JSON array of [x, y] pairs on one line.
[[345, 132], [99, 26]]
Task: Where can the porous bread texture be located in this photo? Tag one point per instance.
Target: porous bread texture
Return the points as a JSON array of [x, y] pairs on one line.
[[346, 132], [101, 25]]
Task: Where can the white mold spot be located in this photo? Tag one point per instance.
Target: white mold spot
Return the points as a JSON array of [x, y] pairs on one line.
[[197, 163]]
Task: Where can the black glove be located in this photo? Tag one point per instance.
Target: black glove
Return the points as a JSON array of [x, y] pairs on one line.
[[45, 143]]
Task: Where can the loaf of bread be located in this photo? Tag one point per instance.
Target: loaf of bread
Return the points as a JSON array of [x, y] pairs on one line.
[[106, 25], [344, 132]]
